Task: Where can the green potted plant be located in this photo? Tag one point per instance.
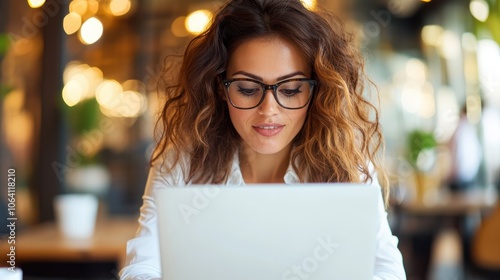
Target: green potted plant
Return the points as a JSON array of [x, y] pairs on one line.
[[4, 46], [492, 24], [422, 156], [88, 175]]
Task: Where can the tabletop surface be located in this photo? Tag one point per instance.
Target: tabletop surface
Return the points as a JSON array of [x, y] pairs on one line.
[[447, 203], [44, 242]]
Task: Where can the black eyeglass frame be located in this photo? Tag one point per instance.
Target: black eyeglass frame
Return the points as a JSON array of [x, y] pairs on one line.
[[266, 87]]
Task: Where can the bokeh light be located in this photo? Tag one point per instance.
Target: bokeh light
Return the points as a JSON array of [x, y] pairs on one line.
[[72, 69], [131, 104], [83, 83], [309, 4], [488, 60], [450, 45], [410, 99], [121, 100], [479, 9], [78, 6], [119, 7], [94, 76], [72, 93], [72, 22], [432, 35], [427, 108], [469, 42], [36, 3], [80, 81], [197, 21], [91, 31], [447, 115], [92, 7], [178, 28], [416, 70], [108, 94]]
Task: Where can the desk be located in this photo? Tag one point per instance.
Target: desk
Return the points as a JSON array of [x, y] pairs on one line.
[[450, 207], [447, 203], [45, 243], [418, 223]]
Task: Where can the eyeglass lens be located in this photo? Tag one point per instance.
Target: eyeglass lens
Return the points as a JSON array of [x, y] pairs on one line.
[[248, 94]]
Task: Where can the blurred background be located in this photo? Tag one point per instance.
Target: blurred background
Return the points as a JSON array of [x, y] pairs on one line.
[[78, 98]]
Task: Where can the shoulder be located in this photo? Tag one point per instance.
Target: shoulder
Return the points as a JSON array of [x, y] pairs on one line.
[[172, 169], [373, 174]]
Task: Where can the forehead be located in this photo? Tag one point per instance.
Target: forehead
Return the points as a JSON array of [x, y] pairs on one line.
[[268, 58]]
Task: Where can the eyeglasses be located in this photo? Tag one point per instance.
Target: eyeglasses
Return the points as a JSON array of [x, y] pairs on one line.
[[290, 94]]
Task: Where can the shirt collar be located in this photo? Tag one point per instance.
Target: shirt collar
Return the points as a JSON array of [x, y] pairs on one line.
[[236, 178], [291, 176]]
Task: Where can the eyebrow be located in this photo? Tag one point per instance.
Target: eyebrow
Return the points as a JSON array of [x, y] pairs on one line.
[[255, 77]]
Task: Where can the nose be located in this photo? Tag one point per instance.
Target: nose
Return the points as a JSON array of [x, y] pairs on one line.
[[269, 105]]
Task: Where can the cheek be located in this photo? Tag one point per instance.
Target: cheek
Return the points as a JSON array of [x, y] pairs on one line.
[[299, 117], [237, 116]]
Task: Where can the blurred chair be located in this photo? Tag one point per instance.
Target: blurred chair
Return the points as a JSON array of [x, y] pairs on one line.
[[486, 244], [446, 256]]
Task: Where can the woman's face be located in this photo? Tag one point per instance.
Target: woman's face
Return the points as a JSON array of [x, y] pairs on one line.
[[268, 128]]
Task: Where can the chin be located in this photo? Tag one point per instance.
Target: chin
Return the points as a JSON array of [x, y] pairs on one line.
[[268, 149]]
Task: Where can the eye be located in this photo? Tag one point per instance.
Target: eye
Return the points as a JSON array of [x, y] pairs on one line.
[[248, 91], [246, 88], [290, 92], [290, 89]]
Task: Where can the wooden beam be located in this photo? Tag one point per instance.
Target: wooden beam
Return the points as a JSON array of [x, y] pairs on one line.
[[45, 184]]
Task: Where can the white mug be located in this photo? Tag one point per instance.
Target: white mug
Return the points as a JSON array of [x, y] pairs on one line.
[[8, 273], [76, 215]]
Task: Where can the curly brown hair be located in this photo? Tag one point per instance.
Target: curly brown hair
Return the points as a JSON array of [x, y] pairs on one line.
[[341, 136]]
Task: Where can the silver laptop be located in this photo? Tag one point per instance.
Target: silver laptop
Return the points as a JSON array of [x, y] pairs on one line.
[[282, 232]]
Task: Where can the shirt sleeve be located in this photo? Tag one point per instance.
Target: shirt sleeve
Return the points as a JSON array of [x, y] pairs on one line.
[[388, 258], [143, 251]]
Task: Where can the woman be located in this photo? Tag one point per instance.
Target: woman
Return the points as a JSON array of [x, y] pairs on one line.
[[271, 92]]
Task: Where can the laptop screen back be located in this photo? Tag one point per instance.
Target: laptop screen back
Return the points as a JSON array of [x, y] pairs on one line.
[[306, 231]]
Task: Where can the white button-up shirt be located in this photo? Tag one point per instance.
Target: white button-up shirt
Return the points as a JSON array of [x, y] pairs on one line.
[[143, 253]]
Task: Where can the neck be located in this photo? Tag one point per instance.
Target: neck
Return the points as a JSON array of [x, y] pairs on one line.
[[258, 168]]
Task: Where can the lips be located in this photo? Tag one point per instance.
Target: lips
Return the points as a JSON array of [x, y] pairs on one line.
[[268, 130]]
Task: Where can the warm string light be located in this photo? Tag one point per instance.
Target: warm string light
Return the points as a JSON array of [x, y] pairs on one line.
[[82, 82], [178, 28], [92, 28], [72, 23], [119, 7], [79, 6], [309, 4], [432, 35], [119, 100], [36, 3], [91, 31], [198, 21]]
